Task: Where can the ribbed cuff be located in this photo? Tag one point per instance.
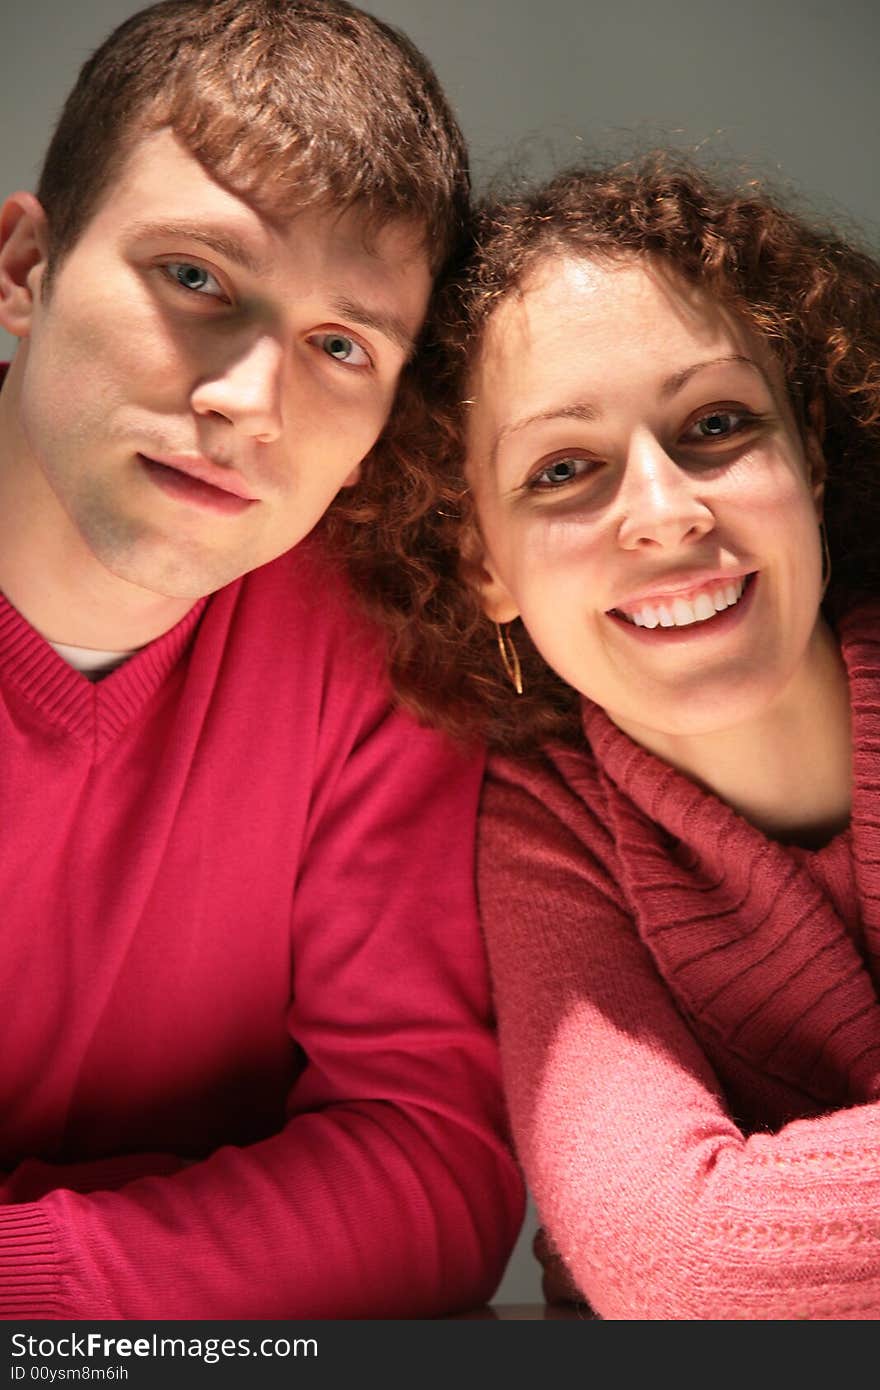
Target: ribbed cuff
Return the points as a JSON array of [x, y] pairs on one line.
[[29, 1264]]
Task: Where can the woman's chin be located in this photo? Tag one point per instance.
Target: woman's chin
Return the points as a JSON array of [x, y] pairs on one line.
[[708, 708]]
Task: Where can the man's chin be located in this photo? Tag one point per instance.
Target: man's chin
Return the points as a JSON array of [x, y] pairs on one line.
[[175, 576]]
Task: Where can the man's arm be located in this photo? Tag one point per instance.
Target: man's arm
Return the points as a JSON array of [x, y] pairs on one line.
[[390, 1191]]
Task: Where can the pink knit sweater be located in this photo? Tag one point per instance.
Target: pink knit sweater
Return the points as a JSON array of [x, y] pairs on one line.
[[690, 1028]]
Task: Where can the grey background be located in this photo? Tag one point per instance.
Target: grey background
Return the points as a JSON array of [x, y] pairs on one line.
[[787, 88]]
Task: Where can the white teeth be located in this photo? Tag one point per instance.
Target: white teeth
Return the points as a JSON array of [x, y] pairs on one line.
[[680, 612]]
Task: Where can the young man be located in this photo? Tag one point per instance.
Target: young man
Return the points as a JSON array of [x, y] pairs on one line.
[[247, 1065]]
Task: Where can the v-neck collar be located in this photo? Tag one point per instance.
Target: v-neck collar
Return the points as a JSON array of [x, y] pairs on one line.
[[67, 698]]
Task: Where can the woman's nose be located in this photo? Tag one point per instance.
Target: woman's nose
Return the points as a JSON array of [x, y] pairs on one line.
[[660, 503]]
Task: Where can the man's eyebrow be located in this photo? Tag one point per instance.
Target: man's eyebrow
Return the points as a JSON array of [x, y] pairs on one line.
[[232, 248], [226, 244], [391, 325]]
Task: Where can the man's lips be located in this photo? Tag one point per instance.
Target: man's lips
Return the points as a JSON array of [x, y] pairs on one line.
[[199, 483], [214, 474]]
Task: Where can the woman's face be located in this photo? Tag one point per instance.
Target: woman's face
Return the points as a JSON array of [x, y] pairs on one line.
[[647, 503]]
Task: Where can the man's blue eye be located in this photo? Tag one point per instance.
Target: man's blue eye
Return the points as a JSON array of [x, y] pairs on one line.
[[193, 277], [343, 349], [338, 346]]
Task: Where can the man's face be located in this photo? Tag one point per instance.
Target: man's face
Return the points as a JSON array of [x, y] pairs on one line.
[[198, 384]]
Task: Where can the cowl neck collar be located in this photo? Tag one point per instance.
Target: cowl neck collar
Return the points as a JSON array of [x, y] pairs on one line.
[[738, 926]]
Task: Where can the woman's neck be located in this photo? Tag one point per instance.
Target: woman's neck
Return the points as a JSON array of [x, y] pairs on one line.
[[789, 771]]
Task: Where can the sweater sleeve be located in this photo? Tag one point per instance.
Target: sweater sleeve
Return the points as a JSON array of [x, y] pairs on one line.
[[390, 1191], [658, 1203]]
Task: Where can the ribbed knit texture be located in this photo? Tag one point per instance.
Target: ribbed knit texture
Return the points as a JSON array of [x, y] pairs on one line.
[[248, 1069], [29, 1264], [690, 1027]]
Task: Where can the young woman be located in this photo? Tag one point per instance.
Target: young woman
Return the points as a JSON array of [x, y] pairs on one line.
[[663, 485]]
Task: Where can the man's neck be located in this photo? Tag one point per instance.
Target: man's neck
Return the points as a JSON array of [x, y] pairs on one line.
[[48, 572], [75, 611]]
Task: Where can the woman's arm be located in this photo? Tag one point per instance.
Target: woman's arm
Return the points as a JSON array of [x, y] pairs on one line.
[[658, 1203]]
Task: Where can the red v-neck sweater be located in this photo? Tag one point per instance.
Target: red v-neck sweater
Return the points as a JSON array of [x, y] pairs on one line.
[[690, 1028], [247, 1069]]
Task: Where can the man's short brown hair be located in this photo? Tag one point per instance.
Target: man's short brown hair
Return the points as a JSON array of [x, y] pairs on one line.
[[287, 103]]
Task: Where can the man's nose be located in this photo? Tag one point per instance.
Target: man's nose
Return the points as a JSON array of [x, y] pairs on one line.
[[659, 502], [247, 391]]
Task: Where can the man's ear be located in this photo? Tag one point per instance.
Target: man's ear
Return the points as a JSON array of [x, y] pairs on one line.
[[817, 469], [479, 570], [24, 246]]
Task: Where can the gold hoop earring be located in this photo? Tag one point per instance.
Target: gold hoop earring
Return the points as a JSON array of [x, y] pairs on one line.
[[509, 657], [826, 558]]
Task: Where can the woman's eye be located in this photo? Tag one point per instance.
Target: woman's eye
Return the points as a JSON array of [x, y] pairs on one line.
[[343, 349], [194, 277], [559, 472], [718, 424]]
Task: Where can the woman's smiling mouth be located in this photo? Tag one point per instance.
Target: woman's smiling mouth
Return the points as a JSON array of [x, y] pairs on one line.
[[700, 605]]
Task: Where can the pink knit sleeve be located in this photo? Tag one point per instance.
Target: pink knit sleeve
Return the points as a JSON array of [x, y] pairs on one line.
[[657, 1202], [391, 1191]]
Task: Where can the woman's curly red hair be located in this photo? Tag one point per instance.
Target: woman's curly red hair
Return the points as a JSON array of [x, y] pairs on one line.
[[812, 296]]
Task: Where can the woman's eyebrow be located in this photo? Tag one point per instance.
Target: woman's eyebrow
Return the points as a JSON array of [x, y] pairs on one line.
[[674, 383], [576, 410], [583, 410]]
